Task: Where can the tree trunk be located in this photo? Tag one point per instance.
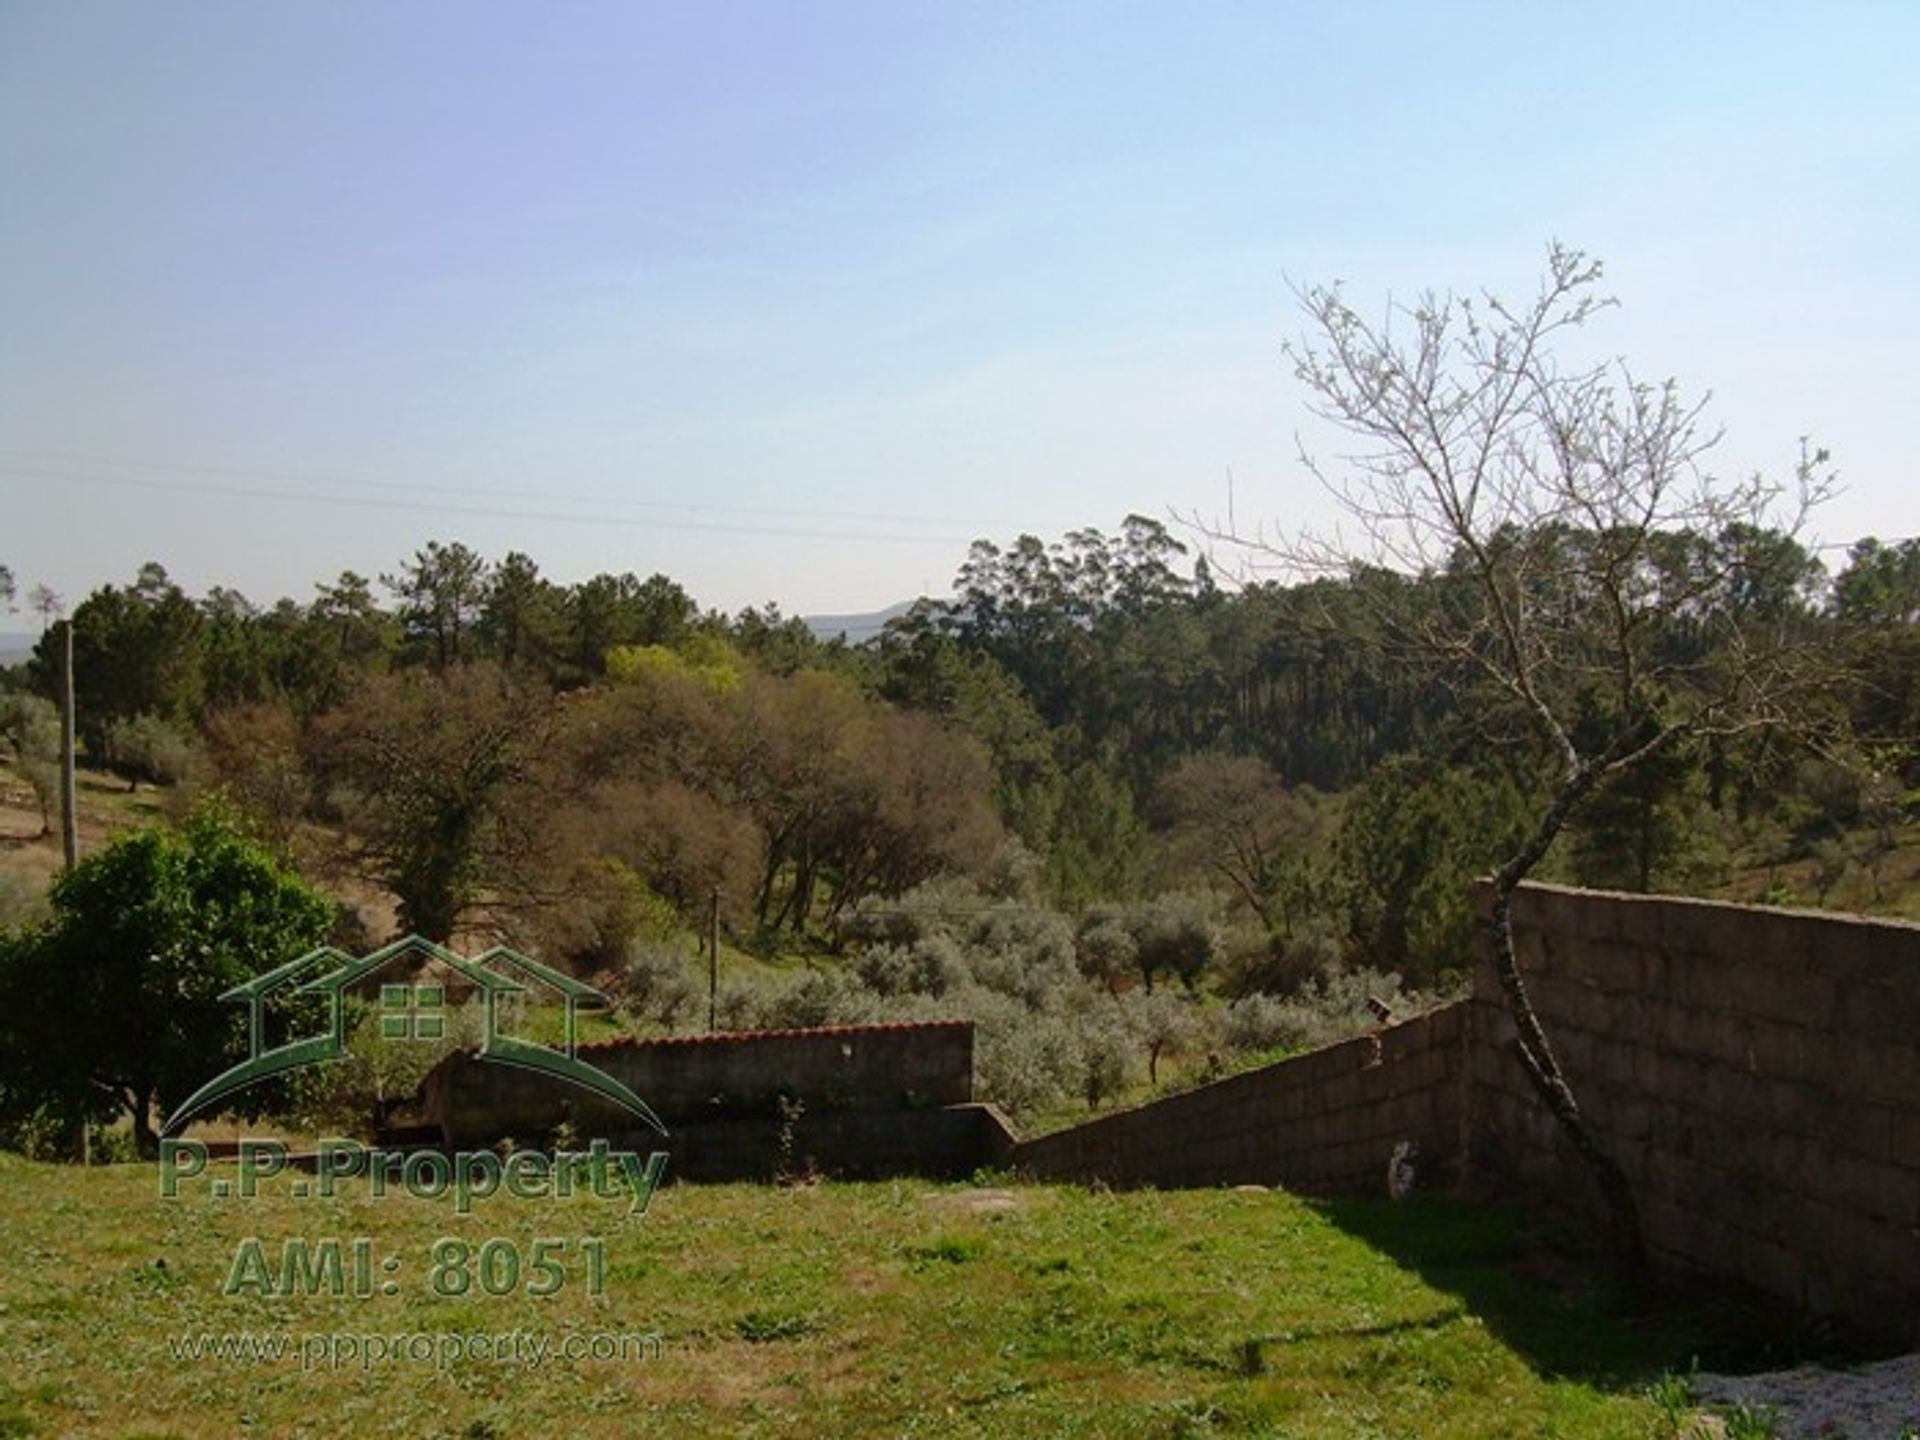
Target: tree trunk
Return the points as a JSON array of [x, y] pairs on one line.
[[1537, 1057], [146, 1143], [1550, 1083]]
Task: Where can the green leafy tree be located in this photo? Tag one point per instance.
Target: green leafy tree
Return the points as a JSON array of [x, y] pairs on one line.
[[522, 619], [111, 1006], [1413, 838], [436, 777], [1881, 584], [1647, 830], [30, 728], [359, 632], [779, 644], [611, 610], [1099, 842], [929, 669], [238, 660], [1175, 935], [136, 650], [440, 591]]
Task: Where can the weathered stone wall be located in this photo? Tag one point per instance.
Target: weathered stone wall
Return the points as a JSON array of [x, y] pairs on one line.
[[1326, 1121], [1757, 1071]]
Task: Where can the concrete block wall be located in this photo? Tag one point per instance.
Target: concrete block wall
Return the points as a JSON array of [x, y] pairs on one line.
[[691, 1079], [872, 1100], [1326, 1121], [1757, 1071]]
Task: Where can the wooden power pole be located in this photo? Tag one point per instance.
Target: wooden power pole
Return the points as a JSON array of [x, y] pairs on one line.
[[713, 962], [69, 810]]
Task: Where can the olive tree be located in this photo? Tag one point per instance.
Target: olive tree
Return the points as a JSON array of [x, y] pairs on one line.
[[1545, 536]]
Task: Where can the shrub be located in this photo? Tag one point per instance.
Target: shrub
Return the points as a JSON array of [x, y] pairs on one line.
[[740, 1005], [1175, 934], [934, 965], [22, 902], [1105, 945], [932, 908], [145, 747], [1022, 952], [30, 728], [1106, 1051], [1261, 1022], [1278, 964], [658, 985], [1021, 1060], [821, 997]]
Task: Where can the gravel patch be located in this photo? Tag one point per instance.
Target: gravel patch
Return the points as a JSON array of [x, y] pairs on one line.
[[1872, 1402]]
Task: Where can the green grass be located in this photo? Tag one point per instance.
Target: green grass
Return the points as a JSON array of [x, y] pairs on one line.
[[879, 1309]]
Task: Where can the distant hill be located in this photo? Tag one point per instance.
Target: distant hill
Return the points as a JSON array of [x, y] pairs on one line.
[[854, 628]]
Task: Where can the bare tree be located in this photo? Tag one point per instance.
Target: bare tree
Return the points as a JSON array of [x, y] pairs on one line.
[[1575, 569], [46, 604]]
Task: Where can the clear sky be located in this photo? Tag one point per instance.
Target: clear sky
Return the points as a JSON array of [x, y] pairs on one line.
[[792, 301]]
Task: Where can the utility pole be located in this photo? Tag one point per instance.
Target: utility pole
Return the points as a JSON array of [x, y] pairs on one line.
[[713, 962], [69, 810]]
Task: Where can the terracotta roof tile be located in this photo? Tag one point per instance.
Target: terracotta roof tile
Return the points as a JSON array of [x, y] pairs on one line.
[[724, 1037]]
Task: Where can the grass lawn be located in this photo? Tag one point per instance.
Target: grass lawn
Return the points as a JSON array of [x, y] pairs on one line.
[[878, 1309]]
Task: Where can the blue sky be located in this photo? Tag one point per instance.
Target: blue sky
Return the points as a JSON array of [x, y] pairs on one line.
[[791, 301]]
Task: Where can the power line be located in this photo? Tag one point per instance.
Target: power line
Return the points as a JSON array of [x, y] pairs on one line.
[[485, 512], [423, 487]]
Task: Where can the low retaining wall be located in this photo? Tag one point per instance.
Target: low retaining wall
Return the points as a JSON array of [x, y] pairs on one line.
[[1327, 1121]]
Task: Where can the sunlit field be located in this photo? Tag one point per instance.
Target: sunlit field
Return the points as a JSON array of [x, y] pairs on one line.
[[870, 1309]]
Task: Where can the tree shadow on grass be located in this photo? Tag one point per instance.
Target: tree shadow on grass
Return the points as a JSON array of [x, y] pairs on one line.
[[1548, 1292]]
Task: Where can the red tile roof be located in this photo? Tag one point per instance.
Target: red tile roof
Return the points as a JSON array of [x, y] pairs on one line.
[[629, 1042]]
